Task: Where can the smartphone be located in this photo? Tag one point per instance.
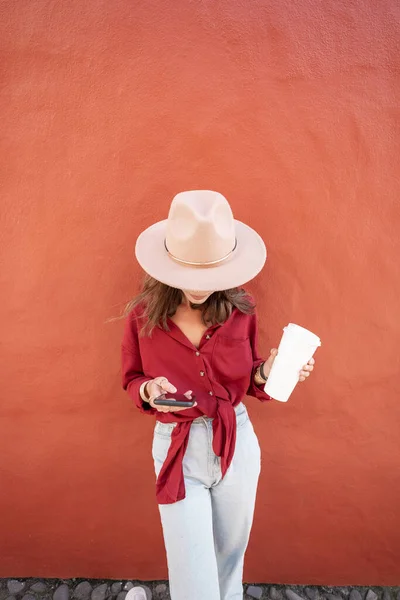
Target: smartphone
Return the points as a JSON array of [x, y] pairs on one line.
[[178, 400]]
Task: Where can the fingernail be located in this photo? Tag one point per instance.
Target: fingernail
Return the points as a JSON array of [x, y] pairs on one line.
[[173, 390]]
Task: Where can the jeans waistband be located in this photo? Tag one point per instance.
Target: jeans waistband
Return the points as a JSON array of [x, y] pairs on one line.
[[239, 409]]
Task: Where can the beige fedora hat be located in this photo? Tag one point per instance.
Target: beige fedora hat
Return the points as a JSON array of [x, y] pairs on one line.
[[201, 247]]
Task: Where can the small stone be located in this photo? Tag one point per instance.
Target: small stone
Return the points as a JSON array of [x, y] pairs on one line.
[[28, 597], [11, 598], [83, 590], [398, 595], [387, 595], [355, 595], [161, 589], [15, 586], [121, 595], [99, 592], [371, 595], [333, 597], [254, 591], [116, 587], [275, 594], [38, 587], [292, 595], [61, 593], [312, 593], [128, 586]]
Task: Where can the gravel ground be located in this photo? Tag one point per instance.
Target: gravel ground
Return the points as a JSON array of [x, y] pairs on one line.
[[101, 589]]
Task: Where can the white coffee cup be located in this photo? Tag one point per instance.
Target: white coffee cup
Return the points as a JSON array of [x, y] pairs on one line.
[[296, 347]]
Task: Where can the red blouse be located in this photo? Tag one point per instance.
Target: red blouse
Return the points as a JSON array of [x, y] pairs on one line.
[[220, 372]]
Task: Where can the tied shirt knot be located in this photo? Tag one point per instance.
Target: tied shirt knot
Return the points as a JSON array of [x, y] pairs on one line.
[[172, 489]]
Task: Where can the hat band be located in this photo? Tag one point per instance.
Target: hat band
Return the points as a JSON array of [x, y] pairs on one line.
[[211, 263]]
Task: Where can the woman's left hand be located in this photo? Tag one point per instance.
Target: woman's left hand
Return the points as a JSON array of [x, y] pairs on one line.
[[304, 373], [306, 370]]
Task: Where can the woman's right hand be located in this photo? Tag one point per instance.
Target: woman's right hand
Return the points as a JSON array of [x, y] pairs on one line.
[[159, 386]]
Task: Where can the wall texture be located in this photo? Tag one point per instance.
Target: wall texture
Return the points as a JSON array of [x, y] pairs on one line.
[[290, 109]]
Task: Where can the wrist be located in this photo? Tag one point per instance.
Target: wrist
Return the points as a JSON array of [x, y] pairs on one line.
[[262, 372], [259, 377], [144, 393]]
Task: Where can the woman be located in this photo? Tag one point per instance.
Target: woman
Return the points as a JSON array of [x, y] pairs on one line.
[[193, 331]]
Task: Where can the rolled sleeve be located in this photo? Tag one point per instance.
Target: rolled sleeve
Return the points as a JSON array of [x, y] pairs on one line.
[[257, 391], [131, 363]]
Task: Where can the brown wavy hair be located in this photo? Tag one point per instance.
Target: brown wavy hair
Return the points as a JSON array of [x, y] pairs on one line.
[[161, 301]]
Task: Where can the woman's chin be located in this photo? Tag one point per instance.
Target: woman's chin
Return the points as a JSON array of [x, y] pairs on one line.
[[198, 300]]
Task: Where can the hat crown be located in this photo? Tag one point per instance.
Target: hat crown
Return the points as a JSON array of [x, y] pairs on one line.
[[200, 227]]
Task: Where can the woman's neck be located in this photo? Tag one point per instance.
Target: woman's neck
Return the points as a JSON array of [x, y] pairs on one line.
[[187, 306]]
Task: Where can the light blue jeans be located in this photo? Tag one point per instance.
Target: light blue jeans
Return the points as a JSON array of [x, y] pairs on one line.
[[207, 533]]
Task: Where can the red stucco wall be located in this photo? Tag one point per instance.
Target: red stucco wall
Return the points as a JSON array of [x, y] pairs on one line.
[[290, 110]]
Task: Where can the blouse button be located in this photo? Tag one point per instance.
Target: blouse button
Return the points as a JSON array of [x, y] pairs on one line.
[[202, 373], [210, 392], [197, 353], [208, 336]]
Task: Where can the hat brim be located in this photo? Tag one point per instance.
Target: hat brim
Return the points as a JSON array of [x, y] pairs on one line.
[[244, 264]]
